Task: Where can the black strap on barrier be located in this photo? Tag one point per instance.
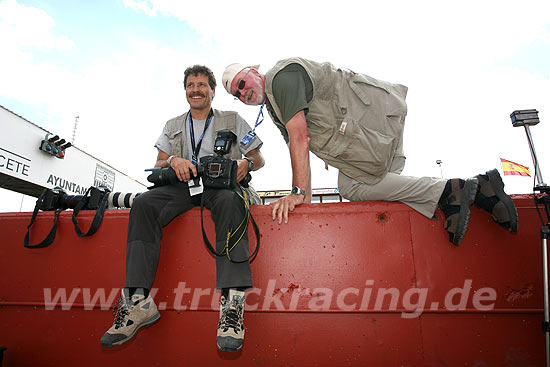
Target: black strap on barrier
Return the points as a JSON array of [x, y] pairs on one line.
[[98, 217], [2, 350], [51, 236], [96, 222], [209, 245]]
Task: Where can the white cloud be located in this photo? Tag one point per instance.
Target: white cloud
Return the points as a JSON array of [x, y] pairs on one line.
[[123, 99], [448, 54], [470, 30], [140, 6], [29, 27], [23, 31]]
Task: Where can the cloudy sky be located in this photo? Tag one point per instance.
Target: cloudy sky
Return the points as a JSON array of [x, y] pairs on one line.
[[118, 64]]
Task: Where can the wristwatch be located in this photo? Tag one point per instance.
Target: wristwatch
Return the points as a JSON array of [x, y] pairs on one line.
[[170, 159], [250, 164], [297, 191]]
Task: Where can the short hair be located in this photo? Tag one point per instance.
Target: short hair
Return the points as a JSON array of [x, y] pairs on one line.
[[200, 69]]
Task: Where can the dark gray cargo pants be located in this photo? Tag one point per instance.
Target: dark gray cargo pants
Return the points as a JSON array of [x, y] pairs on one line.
[[156, 208]]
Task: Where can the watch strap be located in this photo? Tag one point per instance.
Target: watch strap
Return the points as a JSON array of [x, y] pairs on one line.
[[250, 164], [296, 190]]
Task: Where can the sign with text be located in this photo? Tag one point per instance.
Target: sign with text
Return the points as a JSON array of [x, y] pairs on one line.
[[21, 158]]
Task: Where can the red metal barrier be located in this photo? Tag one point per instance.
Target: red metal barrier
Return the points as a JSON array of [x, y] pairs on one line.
[[365, 283]]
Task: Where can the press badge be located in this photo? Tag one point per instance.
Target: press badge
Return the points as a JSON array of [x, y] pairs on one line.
[[248, 139], [195, 186]]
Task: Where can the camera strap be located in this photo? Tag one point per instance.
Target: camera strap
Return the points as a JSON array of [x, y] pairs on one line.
[[226, 250], [98, 217], [51, 236], [196, 149]]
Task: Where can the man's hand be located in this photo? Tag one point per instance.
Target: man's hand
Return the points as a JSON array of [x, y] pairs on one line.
[[284, 205], [182, 167], [242, 169], [242, 164]]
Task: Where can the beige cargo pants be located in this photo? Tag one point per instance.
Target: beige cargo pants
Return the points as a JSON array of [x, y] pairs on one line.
[[420, 193]]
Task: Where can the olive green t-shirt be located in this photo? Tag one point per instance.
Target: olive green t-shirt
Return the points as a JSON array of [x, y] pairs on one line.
[[292, 90]]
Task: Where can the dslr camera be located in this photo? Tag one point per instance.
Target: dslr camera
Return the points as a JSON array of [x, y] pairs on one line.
[[57, 198], [215, 170]]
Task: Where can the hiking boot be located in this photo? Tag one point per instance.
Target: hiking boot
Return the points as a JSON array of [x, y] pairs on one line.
[[130, 315], [231, 326], [492, 198], [455, 202]]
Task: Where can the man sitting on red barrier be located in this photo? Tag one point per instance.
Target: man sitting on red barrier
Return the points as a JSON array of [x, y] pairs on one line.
[[355, 123], [184, 141]]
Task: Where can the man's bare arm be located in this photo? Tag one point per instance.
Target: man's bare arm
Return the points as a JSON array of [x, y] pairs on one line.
[[161, 159], [180, 165], [301, 173]]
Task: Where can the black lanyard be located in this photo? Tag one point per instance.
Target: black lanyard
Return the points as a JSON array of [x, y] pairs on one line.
[[197, 149]]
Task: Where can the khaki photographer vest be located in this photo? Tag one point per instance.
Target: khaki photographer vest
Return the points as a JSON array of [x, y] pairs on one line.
[[223, 120], [178, 133], [355, 122]]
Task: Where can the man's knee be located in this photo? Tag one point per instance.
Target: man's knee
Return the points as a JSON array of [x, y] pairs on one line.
[[142, 200], [358, 192], [354, 190], [224, 202], [144, 203], [345, 186], [344, 192], [229, 197]]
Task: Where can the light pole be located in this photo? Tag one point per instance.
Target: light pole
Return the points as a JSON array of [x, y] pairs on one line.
[[74, 128], [528, 118], [439, 162]]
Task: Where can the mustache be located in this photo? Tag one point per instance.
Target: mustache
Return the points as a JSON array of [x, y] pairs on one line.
[[196, 94]]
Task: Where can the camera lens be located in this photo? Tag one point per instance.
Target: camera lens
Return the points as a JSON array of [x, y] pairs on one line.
[[70, 201]]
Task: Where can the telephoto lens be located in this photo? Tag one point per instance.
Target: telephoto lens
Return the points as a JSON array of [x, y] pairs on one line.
[[162, 176], [121, 200]]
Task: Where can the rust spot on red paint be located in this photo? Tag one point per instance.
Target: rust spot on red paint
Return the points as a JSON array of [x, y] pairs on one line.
[[382, 217], [293, 286], [518, 295]]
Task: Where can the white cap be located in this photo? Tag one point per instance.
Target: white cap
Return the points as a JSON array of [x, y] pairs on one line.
[[231, 71]]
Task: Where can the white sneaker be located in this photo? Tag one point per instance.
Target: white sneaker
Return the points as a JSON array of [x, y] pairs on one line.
[[130, 315], [231, 326]]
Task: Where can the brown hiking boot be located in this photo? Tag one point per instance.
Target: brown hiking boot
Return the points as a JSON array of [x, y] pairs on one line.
[[455, 202], [231, 330], [132, 313], [492, 198]]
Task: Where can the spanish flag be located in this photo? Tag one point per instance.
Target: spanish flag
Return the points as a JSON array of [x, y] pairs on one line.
[[511, 168]]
